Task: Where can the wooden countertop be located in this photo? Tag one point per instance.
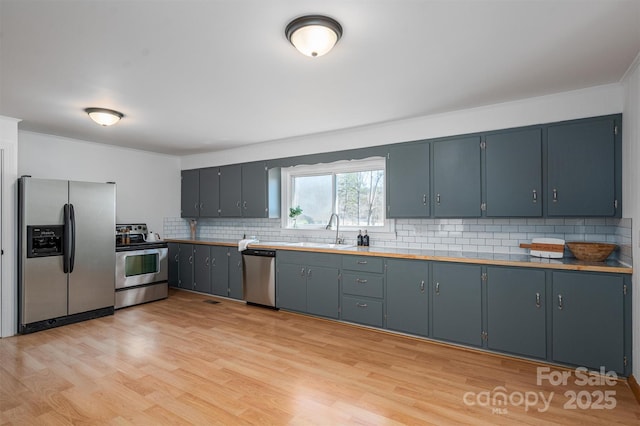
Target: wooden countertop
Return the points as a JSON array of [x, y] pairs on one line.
[[523, 260]]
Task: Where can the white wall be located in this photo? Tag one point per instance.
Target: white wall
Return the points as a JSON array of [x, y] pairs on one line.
[[631, 188], [148, 184], [8, 289], [589, 102]]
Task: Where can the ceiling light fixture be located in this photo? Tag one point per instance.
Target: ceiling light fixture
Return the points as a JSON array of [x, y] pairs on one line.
[[103, 116], [314, 35]]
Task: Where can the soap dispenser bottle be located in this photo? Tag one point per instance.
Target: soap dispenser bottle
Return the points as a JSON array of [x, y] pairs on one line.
[[365, 239], [360, 238]]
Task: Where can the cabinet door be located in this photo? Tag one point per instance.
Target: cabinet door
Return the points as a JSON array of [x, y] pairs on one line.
[[323, 297], [219, 270], [291, 287], [408, 181], [514, 174], [174, 265], [408, 296], [457, 303], [588, 320], [581, 169], [209, 192], [516, 311], [235, 274], [230, 191], [254, 190], [185, 259], [189, 193], [456, 177], [201, 268]]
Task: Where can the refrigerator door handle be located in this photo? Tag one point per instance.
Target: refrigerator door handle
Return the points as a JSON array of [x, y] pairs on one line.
[[66, 251], [72, 221]]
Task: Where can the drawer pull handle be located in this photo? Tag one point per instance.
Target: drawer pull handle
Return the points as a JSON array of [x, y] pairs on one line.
[[538, 300], [362, 262], [190, 260], [437, 289], [361, 305], [560, 302], [176, 258], [358, 280], [438, 199], [424, 199], [422, 286], [309, 272], [555, 195], [206, 261], [302, 272], [535, 196]]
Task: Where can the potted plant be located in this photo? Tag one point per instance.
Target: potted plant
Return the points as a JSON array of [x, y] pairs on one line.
[[294, 212]]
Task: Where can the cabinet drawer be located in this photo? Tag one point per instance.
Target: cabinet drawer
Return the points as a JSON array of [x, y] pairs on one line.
[[363, 263], [363, 284], [307, 258], [363, 311]]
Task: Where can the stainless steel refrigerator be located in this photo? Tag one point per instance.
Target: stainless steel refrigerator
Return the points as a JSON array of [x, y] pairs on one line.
[[66, 267]]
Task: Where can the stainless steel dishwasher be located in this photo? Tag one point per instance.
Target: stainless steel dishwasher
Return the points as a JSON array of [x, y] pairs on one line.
[[259, 277]]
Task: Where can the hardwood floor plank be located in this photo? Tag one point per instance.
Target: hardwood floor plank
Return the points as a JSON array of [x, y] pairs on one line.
[[183, 361]]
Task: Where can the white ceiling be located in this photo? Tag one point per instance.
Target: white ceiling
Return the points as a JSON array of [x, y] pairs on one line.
[[199, 76]]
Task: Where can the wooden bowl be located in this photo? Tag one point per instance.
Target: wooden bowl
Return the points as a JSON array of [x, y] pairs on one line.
[[591, 252]]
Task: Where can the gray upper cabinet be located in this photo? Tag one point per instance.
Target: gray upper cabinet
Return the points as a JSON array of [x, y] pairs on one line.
[[457, 303], [581, 160], [254, 190], [588, 320], [189, 195], [516, 314], [513, 170], [408, 180], [209, 192], [407, 301], [456, 177], [231, 191]]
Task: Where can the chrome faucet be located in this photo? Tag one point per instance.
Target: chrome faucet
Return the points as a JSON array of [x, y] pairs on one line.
[[338, 240]]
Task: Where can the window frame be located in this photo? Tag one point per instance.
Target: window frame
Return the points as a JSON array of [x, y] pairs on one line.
[[322, 169]]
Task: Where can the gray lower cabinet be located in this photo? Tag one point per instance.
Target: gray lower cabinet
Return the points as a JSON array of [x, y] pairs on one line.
[[201, 268], [588, 320], [513, 171], [407, 176], [235, 274], [407, 302], [185, 266], [363, 290], [219, 270], [516, 314], [457, 303], [173, 264], [308, 282], [581, 160], [456, 177]]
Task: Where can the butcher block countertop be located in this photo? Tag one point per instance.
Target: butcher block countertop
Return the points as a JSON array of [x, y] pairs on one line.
[[567, 263]]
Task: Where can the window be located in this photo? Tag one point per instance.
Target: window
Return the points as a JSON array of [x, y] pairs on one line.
[[352, 189]]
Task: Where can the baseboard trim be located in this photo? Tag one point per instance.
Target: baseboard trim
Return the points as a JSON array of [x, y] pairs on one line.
[[635, 387]]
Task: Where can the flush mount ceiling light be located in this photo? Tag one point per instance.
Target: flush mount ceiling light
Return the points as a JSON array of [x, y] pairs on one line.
[[314, 35], [103, 116]]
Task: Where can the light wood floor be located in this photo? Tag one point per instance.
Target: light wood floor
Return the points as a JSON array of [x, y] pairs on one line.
[[184, 361]]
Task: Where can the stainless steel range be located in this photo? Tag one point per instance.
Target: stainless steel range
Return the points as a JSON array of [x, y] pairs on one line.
[[141, 266]]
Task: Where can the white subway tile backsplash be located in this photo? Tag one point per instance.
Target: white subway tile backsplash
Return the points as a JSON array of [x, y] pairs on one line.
[[469, 235]]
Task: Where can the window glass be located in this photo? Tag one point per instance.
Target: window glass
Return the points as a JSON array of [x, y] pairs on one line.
[[355, 190]]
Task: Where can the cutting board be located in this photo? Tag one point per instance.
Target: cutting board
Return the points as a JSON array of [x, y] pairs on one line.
[[551, 248]]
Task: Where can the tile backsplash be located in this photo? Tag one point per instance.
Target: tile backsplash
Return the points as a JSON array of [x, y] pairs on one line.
[[469, 235]]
